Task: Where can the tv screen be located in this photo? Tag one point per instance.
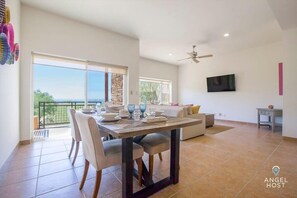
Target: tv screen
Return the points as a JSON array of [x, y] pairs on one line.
[[221, 83]]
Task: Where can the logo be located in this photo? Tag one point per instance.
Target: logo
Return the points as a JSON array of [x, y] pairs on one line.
[[276, 170], [275, 182]]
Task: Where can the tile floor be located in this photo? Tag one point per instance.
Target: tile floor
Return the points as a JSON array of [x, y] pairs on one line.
[[232, 163]]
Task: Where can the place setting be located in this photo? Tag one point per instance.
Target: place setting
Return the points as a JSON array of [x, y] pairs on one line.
[[133, 113], [138, 113]]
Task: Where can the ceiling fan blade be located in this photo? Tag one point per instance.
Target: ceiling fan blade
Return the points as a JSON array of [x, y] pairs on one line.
[[190, 54], [206, 56], [195, 60], [184, 59]]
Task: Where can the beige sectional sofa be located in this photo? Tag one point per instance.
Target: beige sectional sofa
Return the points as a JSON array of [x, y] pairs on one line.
[[180, 111]]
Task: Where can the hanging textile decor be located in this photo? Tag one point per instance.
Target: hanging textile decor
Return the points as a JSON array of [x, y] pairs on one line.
[[16, 51], [2, 10], [5, 50], [9, 51], [10, 59], [6, 18], [8, 30]]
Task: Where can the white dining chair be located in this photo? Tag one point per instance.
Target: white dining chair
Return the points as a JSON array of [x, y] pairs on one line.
[[102, 154], [75, 133], [152, 144]]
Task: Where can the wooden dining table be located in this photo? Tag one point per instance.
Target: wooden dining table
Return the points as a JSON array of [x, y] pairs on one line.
[[134, 131]]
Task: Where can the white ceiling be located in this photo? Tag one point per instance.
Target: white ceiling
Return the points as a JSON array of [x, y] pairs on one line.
[[173, 26], [285, 12]]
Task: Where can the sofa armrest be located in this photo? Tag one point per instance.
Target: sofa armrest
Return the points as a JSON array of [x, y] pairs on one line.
[[198, 116], [194, 131]]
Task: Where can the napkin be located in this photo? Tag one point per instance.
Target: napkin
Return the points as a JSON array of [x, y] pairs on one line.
[[150, 119]]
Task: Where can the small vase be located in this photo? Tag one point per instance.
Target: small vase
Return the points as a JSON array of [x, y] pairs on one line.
[[270, 106]]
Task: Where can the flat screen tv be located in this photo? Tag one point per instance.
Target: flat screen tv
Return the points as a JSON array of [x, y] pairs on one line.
[[221, 83]]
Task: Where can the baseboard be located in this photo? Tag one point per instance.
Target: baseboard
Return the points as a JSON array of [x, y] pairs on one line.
[[14, 151], [24, 142], [237, 122], [289, 138]]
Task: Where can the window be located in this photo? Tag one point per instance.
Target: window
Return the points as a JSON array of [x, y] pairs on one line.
[[97, 82], [155, 91]]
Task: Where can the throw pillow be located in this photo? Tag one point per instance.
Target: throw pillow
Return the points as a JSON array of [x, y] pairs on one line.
[[189, 109], [185, 109], [195, 109]]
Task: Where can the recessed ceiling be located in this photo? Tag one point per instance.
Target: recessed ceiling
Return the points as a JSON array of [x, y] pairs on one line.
[[172, 26], [285, 12]]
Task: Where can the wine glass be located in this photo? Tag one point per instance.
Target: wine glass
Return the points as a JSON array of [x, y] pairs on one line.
[[142, 109], [131, 108]]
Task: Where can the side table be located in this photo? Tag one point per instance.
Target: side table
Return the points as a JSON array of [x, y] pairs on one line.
[[271, 113], [209, 120]]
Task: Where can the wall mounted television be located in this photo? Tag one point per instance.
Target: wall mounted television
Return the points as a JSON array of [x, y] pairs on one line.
[[221, 83]]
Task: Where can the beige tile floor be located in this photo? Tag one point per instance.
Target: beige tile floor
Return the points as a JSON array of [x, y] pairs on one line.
[[232, 163]]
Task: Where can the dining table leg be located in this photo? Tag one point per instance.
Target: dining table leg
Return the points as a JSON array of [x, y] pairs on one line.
[[174, 156], [127, 167]]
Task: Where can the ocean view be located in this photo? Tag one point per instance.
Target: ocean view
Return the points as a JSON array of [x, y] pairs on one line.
[[78, 100]]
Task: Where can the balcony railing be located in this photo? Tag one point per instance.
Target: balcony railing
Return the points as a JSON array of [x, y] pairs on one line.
[[55, 113]]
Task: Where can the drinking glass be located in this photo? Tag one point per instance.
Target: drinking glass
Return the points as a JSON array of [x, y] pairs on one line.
[[137, 114], [98, 108], [131, 108], [142, 109], [152, 112]]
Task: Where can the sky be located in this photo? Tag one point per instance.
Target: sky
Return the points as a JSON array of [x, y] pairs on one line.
[[68, 84]]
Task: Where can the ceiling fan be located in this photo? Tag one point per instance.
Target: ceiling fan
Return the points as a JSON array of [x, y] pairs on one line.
[[194, 55]]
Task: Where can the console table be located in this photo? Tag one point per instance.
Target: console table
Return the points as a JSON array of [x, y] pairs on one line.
[[271, 113]]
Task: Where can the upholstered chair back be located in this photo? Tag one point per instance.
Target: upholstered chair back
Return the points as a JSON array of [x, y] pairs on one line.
[[91, 140], [75, 133]]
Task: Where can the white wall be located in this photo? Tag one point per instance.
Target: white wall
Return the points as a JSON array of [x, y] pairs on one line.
[[154, 69], [47, 33], [256, 74], [290, 83], [9, 93]]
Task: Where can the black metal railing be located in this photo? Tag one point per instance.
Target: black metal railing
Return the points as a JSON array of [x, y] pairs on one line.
[[55, 113]]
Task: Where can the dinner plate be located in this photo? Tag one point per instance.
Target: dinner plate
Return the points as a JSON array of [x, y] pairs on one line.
[[111, 120], [153, 120], [124, 116], [88, 112]]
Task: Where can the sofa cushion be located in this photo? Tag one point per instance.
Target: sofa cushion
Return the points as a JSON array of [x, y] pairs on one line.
[[171, 111], [185, 111], [189, 109]]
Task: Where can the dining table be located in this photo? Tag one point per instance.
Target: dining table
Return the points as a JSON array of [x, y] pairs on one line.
[[129, 131]]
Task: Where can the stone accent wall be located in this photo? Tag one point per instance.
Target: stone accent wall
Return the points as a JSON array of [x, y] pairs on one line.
[[117, 89]]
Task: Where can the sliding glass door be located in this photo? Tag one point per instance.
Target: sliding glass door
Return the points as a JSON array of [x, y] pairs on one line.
[[106, 83], [96, 86]]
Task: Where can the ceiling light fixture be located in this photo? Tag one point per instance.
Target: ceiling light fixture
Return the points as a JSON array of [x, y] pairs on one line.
[[170, 54], [226, 34]]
